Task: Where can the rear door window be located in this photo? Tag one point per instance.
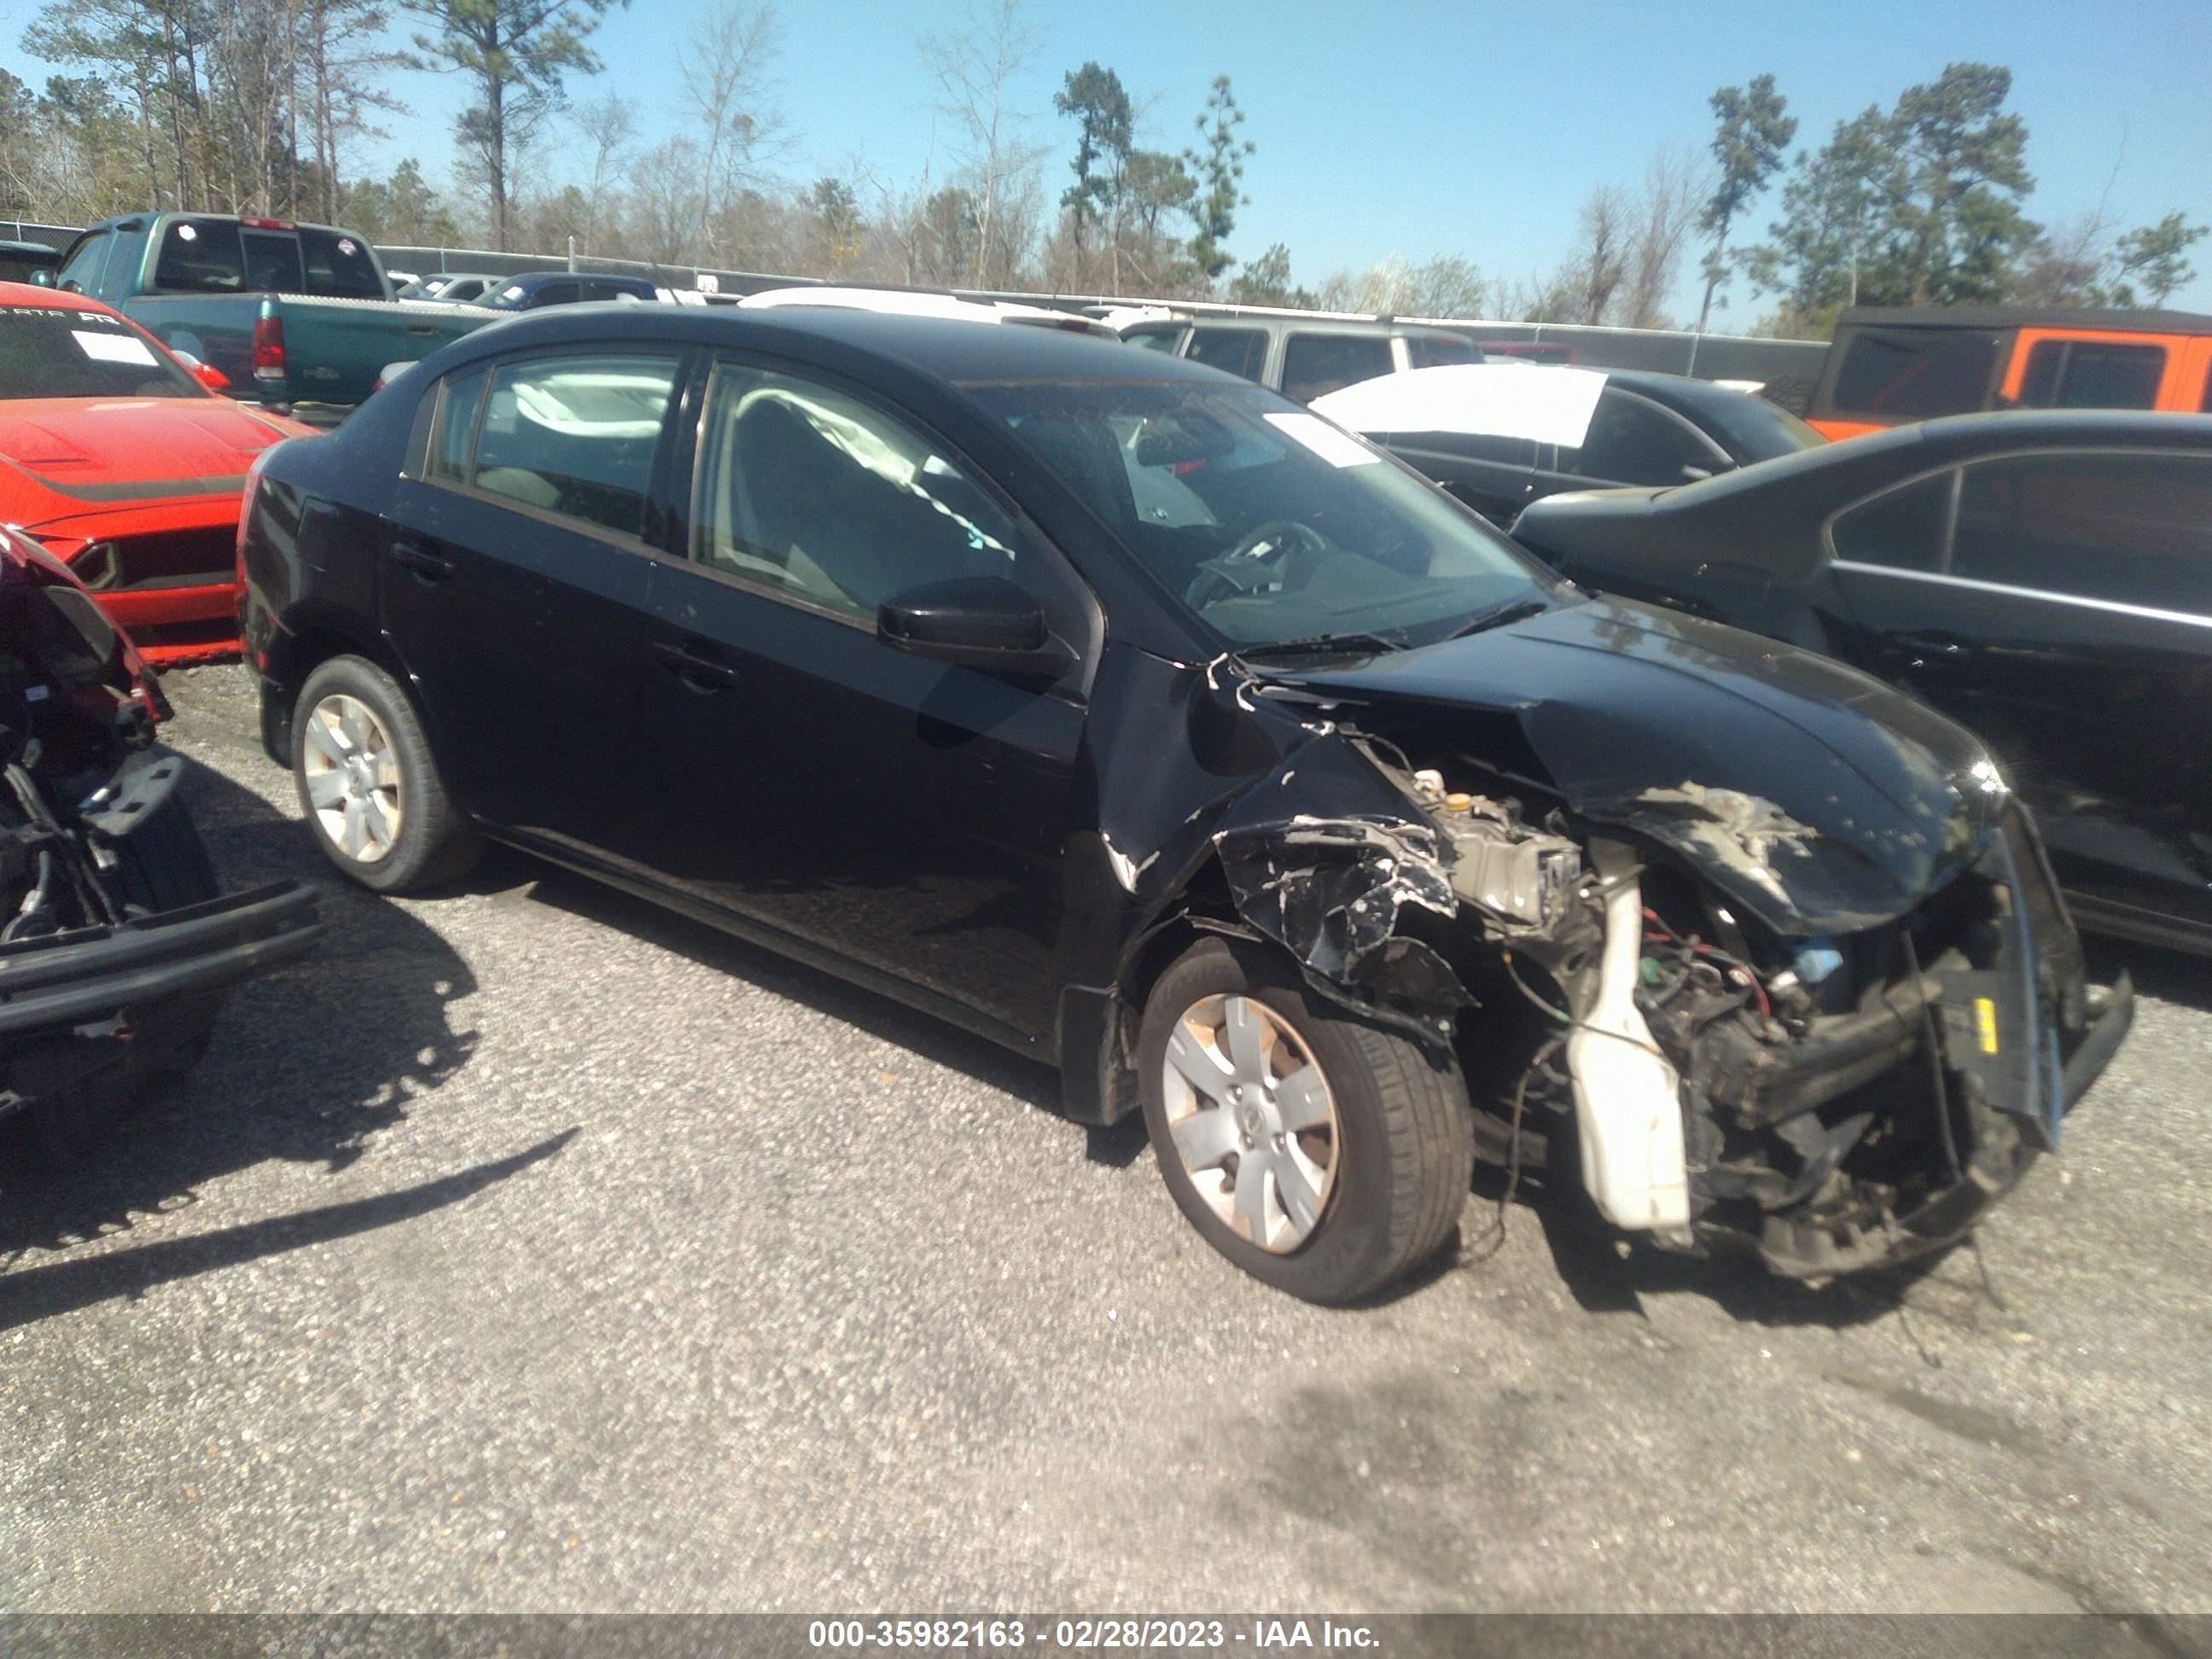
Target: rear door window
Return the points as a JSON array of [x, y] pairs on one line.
[[1633, 442], [1314, 365], [2136, 529], [571, 436], [1241, 351], [202, 256], [1909, 373], [1904, 528], [557, 294], [2092, 375]]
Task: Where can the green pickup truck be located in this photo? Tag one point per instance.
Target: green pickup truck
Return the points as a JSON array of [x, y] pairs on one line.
[[297, 317]]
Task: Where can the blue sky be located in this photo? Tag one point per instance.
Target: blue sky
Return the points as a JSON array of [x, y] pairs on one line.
[[1423, 128]]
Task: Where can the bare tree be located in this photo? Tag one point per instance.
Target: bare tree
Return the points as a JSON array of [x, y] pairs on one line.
[[608, 124], [725, 64], [974, 70], [1600, 259], [1665, 212]]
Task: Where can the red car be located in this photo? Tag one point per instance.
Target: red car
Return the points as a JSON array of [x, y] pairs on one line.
[[128, 465]]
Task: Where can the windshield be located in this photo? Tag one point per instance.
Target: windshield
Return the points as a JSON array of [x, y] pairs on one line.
[[83, 354], [1273, 525]]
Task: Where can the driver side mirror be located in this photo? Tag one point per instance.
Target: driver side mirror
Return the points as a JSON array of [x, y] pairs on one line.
[[42, 279], [978, 622]]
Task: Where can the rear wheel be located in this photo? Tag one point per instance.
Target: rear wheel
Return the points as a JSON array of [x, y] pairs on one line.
[[1322, 1155], [370, 784]]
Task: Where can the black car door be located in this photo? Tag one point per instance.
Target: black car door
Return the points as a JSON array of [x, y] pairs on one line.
[[905, 814], [512, 583], [2060, 605]]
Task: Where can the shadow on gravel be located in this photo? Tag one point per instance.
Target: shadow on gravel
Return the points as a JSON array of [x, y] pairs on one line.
[[306, 1065], [65, 1287], [935, 1041]]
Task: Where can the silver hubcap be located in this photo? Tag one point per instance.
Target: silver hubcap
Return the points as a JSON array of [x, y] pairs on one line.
[[1253, 1120], [353, 778]]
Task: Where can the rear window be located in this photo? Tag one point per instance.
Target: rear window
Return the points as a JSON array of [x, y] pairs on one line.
[[339, 265], [1912, 373], [201, 256], [70, 353], [2092, 375], [1314, 365], [1241, 351], [1429, 350], [1162, 338]]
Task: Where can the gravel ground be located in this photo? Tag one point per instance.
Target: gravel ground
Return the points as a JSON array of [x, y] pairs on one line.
[[527, 1249]]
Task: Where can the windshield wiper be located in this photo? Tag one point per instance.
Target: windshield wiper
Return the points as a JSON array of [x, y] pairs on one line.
[[1519, 611], [1320, 642]]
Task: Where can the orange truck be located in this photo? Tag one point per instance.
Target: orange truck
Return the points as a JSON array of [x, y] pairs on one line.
[[1891, 365]]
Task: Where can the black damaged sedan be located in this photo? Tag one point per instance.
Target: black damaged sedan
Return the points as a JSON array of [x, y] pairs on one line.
[[1140, 719]]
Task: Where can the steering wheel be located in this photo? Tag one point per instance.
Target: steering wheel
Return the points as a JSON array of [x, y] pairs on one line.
[[1262, 557]]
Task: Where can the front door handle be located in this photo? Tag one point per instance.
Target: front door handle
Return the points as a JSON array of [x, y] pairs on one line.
[[698, 672], [422, 563]]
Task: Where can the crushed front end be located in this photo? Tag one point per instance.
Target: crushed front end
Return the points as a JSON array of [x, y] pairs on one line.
[[1715, 1069]]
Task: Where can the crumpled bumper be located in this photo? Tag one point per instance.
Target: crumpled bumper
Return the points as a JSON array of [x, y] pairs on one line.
[[50, 987]]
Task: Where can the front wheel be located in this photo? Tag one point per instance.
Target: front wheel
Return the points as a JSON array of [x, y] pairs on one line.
[[1320, 1154]]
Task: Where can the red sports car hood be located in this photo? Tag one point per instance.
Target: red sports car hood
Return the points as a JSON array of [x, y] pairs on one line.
[[64, 455]]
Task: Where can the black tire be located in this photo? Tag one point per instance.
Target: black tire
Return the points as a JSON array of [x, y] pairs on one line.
[[1406, 1152], [435, 844]]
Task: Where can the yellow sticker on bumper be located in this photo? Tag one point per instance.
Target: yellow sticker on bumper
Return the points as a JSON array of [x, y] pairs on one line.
[[1985, 1019]]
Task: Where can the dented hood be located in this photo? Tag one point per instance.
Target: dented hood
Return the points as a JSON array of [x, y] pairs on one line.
[[1818, 797]]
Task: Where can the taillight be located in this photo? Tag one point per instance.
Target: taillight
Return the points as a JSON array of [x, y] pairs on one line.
[[245, 513], [269, 349]]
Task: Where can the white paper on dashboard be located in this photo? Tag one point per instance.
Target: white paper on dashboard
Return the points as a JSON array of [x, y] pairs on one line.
[[113, 348], [1324, 439]]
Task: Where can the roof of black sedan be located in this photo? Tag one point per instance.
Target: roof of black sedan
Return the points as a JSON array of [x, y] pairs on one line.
[[953, 350]]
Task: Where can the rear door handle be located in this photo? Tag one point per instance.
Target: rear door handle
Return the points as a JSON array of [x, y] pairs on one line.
[[426, 330], [697, 669], [426, 566]]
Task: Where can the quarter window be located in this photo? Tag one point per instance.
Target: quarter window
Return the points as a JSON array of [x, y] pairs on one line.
[[2133, 528], [1904, 528], [1241, 351], [1314, 365], [827, 500], [571, 436]]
